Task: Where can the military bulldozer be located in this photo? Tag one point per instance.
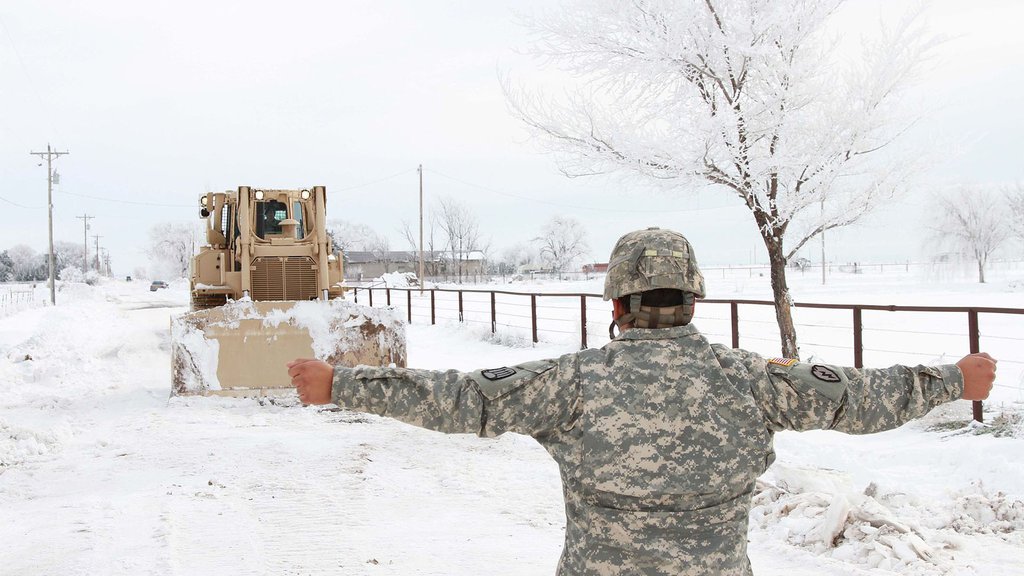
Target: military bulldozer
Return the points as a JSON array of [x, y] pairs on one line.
[[266, 289]]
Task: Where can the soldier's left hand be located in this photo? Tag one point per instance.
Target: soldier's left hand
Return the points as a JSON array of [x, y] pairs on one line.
[[312, 380]]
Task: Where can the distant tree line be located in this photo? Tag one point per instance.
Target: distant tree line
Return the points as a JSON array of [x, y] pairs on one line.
[[22, 263]]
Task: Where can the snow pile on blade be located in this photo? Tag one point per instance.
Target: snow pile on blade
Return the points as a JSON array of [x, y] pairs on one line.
[[241, 348]]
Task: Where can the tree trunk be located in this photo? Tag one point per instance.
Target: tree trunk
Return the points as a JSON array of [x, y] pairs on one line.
[[981, 271], [783, 302]]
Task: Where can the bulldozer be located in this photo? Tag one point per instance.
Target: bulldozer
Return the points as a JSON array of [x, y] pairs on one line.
[[268, 288]]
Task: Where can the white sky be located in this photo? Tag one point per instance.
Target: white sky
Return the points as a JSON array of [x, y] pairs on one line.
[[159, 102]]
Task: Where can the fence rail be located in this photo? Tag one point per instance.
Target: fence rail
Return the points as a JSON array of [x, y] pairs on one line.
[[491, 315]]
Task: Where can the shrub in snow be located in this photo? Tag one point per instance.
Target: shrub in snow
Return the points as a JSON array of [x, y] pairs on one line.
[[399, 280], [69, 274]]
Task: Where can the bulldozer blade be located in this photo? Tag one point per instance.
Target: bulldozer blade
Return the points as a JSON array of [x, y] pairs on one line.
[[242, 347]]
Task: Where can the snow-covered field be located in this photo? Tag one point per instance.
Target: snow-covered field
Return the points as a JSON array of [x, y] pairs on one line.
[[102, 473]]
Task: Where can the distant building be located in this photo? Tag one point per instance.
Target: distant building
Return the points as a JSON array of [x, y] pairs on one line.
[[596, 267], [367, 265]]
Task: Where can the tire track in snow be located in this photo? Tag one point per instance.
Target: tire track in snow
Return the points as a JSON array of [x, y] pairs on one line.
[[285, 521]]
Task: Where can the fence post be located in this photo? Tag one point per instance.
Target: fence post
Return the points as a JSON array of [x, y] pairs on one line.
[[494, 315], [975, 338], [408, 303], [461, 319], [433, 317], [533, 315], [583, 322], [355, 294], [370, 290], [858, 338], [734, 313], [387, 294]]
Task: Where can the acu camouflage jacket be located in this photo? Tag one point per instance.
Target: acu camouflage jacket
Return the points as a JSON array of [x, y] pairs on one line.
[[659, 436]]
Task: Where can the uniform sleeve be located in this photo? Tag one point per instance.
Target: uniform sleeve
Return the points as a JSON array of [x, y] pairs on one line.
[[534, 398], [805, 396], [856, 401]]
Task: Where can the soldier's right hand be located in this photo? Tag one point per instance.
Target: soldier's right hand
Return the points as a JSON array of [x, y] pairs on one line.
[[312, 380], [979, 372]]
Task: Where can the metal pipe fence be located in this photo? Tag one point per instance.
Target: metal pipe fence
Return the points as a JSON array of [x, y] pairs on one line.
[[482, 306]]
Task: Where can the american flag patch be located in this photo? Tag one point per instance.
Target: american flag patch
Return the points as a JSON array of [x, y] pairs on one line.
[[787, 362]]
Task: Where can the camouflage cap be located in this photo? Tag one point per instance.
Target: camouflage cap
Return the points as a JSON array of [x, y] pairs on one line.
[[649, 259]]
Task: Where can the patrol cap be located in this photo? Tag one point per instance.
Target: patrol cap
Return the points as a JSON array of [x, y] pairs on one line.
[[649, 259]]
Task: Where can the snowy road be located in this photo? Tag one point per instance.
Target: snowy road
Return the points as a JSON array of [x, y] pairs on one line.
[[102, 473]]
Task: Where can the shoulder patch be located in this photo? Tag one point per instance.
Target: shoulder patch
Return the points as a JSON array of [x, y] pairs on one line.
[[824, 373], [498, 373], [787, 362]]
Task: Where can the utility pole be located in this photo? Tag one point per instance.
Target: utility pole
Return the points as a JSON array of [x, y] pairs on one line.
[[97, 251], [51, 155], [421, 228], [85, 235]]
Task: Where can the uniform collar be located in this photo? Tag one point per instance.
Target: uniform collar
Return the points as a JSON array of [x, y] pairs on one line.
[[659, 333]]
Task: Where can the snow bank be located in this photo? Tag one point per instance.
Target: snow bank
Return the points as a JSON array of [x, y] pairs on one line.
[[817, 510], [399, 280], [18, 444]]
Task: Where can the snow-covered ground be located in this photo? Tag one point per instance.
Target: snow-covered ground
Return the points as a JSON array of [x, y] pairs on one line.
[[101, 472]]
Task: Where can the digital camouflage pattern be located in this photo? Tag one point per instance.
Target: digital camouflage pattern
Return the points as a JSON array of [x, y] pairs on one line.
[[650, 259], [659, 435]]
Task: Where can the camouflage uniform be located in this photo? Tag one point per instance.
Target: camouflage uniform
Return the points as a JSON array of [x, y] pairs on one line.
[[659, 435]]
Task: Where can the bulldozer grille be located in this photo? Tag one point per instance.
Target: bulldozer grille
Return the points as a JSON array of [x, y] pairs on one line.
[[284, 278]]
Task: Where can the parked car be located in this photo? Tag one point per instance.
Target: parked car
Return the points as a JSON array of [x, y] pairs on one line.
[[156, 285]]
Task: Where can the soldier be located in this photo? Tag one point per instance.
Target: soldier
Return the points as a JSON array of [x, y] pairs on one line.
[[659, 435]]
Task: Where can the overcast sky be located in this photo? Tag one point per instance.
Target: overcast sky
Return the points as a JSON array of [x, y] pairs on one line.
[[159, 102]]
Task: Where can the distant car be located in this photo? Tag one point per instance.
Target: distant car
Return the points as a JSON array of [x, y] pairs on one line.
[[156, 285]]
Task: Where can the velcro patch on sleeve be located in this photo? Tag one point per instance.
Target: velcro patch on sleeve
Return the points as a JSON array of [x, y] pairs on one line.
[[786, 362], [498, 373], [824, 373]]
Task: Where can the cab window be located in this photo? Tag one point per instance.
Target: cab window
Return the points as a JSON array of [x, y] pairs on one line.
[[269, 214], [297, 213]]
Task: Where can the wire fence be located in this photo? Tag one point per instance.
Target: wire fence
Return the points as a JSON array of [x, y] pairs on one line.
[[13, 301], [849, 332]]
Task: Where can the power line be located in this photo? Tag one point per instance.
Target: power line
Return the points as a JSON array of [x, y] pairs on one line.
[[134, 202], [378, 181], [12, 203], [24, 70]]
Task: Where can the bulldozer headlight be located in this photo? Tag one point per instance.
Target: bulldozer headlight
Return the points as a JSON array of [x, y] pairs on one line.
[[259, 194], [304, 194], [202, 201]]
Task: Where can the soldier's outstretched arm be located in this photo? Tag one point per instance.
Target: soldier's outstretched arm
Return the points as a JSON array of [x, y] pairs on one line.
[[530, 398], [805, 396]]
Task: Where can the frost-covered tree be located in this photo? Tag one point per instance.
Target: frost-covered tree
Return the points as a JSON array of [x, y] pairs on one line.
[[67, 255], [750, 96], [517, 257], [27, 264], [562, 241], [6, 267], [351, 236], [170, 248], [461, 230], [972, 221], [1015, 205]]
